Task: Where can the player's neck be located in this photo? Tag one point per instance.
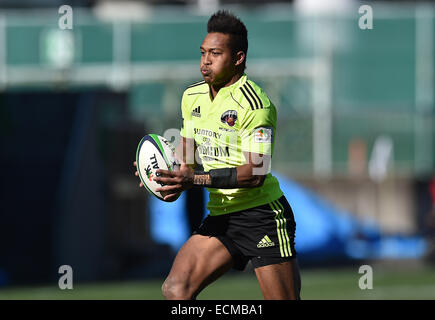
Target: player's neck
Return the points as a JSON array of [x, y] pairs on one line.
[[214, 89]]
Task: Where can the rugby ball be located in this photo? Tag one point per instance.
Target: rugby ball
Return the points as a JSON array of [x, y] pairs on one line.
[[155, 152]]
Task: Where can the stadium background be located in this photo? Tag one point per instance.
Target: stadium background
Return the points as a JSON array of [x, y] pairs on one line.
[[354, 149]]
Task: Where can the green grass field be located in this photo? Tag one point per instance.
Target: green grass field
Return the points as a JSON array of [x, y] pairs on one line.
[[388, 283]]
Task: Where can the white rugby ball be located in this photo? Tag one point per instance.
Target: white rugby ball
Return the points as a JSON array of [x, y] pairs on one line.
[[155, 152]]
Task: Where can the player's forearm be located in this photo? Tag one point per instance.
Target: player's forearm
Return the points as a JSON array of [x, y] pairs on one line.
[[202, 179], [246, 177], [229, 178]]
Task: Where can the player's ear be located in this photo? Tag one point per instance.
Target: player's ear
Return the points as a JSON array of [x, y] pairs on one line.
[[239, 58]]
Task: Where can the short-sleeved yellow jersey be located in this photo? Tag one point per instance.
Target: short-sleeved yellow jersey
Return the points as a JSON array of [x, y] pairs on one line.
[[241, 118]]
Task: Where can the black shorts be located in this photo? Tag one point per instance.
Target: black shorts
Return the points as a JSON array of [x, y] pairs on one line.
[[264, 234]]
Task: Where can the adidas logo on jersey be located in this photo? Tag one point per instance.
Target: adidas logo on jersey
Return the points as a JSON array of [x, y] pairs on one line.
[[265, 242], [197, 112]]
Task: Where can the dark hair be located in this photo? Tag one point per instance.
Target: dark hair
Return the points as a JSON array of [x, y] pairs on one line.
[[225, 22]]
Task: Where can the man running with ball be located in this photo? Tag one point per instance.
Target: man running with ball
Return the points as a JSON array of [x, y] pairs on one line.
[[229, 121]]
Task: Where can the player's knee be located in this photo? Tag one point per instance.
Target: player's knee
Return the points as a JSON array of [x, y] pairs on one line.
[[173, 289]]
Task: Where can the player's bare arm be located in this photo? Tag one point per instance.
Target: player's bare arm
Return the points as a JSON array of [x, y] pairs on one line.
[[247, 176], [186, 177]]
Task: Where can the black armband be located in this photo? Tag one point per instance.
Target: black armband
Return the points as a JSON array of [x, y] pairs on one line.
[[225, 178]]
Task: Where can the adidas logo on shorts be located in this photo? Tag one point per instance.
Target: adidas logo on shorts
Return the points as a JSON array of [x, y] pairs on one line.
[[265, 242]]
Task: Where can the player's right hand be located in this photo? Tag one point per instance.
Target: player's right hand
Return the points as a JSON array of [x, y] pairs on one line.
[[137, 174]]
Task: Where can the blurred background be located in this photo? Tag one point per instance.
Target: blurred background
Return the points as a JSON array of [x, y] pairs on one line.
[[354, 151]]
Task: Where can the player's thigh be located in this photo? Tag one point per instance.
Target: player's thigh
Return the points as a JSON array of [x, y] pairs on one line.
[[199, 262], [280, 281]]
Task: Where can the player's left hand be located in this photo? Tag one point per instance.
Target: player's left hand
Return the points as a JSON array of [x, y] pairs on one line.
[[175, 181]]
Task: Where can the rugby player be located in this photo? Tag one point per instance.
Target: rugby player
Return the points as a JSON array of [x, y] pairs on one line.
[[231, 124]]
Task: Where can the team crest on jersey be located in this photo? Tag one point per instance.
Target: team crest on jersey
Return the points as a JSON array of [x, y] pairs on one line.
[[229, 117]]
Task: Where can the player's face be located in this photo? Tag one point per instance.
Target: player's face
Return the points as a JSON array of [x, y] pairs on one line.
[[217, 59]]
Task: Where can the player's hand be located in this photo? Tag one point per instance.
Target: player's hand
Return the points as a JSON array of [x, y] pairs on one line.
[[175, 181], [137, 174]]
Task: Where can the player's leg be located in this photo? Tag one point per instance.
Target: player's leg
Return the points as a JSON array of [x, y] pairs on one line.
[[270, 243], [199, 262], [280, 281]]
